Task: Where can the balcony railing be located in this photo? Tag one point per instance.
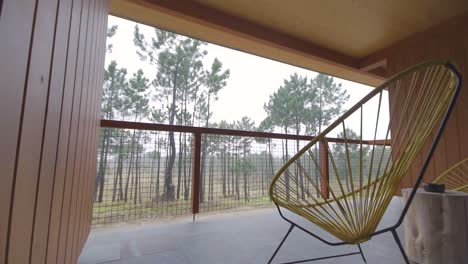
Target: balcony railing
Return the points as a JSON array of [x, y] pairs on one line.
[[154, 170]]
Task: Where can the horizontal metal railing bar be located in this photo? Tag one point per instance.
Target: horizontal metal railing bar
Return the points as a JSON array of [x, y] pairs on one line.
[[225, 132]]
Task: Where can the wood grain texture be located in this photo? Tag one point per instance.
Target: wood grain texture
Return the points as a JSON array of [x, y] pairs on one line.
[[448, 41], [15, 51], [73, 246], [72, 145], [63, 147], [51, 135], [83, 168], [32, 134], [50, 101], [436, 227], [75, 164]]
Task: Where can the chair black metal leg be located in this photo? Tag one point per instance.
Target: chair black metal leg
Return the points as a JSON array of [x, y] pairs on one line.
[[281, 244], [362, 254], [397, 239]]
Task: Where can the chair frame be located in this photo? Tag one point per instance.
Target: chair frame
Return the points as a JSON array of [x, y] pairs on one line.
[[394, 227]]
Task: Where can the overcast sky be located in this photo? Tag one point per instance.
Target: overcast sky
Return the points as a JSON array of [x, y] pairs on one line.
[[253, 79]]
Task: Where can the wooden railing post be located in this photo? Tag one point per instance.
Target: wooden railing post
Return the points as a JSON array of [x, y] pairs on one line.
[[324, 172], [196, 160]]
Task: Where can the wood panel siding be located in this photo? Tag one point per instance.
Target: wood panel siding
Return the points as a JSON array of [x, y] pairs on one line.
[[49, 110], [446, 41]]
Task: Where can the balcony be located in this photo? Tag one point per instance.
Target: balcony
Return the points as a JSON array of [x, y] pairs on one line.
[[221, 178], [50, 104]]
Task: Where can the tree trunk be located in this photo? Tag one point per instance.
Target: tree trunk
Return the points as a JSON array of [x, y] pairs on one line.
[[299, 175], [186, 185], [285, 158], [237, 176], [119, 171], [436, 227], [212, 175], [228, 171], [179, 167], [158, 172], [189, 178], [120, 175], [246, 187], [263, 168], [169, 192], [233, 173], [137, 167], [202, 170], [271, 160], [102, 167], [128, 177], [153, 161], [223, 162]]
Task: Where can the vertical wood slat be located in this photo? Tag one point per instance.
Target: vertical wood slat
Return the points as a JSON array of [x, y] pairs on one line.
[[97, 108], [80, 164], [87, 141], [31, 134], [92, 120], [94, 117], [72, 144], [50, 109], [324, 169], [196, 160], [67, 241], [15, 51], [84, 167], [51, 134], [63, 147]]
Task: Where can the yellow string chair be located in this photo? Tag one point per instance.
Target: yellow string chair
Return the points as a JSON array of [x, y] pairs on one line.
[[351, 207], [456, 177]]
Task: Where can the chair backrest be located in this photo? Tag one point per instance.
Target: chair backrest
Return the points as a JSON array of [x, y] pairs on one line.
[[456, 177], [368, 151]]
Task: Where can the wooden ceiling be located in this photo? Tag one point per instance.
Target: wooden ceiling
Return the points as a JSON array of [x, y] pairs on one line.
[[334, 37], [352, 27]]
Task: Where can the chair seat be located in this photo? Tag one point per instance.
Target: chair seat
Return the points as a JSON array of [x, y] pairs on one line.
[[350, 220]]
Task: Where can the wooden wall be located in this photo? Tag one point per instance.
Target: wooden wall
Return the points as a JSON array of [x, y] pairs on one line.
[[51, 74], [449, 41]]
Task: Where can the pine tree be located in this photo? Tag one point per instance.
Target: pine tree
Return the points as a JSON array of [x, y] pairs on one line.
[[176, 58], [326, 103], [340, 154], [245, 165], [214, 81], [304, 106], [267, 126], [136, 99], [114, 83]]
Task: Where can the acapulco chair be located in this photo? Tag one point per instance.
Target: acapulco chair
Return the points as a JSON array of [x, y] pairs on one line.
[[373, 163]]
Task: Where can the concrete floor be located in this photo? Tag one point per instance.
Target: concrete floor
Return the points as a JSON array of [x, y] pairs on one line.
[[233, 237]]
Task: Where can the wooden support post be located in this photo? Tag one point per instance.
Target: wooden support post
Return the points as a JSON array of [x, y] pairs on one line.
[[196, 159], [324, 169]]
